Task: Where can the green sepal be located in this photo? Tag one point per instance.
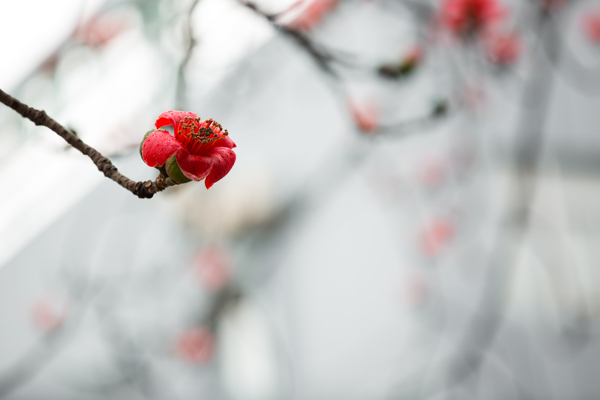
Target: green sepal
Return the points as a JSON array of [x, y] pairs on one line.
[[174, 171], [162, 169], [143, 140]]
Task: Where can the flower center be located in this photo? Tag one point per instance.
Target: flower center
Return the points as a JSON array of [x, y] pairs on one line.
[[199, 137]]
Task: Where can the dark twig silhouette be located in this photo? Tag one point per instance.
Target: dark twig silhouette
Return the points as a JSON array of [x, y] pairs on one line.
[[322, 56], [143, 190]]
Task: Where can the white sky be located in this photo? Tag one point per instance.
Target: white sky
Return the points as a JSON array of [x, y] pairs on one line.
[[30, 30]]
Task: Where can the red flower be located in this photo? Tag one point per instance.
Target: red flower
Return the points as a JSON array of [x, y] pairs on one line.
[[195, 346], [365, 115], [414, 56], [591, 26], [503, 48], [467, 17], [310, 14], [99, 30], [432, 171], [198, 150], [435, 236], [473, 96], [213, 267], [49, 314]]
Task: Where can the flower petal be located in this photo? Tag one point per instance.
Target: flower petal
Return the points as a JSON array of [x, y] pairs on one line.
[[193, 166], [158, 147], [225, 141], [223, 160], [172, 118]]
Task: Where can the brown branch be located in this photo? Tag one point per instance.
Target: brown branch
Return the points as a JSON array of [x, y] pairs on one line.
[[143, 190], [319, 53]]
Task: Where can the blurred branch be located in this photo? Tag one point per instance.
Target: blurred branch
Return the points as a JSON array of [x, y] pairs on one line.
[[134, 367], [50, 345], [582, 78], [322, 56], [191, 43], [422, 11], [31, 363], [484, 325], [144, 190], [227, 296], [414, 125]]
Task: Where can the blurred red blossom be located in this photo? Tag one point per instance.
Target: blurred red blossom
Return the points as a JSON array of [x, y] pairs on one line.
[[471, 17], [409, 62], [432, 171], [365, 115], [99, 30], [308, 13], [195, 345], [213, 267], [503, 48], [473, 96], [199, 149], [435, 236], [412, 59], [414, 55], [591, 26], [48, 314]]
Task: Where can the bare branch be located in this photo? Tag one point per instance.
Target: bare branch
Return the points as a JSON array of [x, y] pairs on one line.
[[321, 56], [143, 190]]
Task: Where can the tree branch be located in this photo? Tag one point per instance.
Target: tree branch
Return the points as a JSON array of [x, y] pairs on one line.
[[320, 55], [190, 45], [143, 190]]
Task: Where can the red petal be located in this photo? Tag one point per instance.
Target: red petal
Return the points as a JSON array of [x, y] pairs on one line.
[[225, 141], [158, 147], [223, 160], [172, 118], [193, 166]]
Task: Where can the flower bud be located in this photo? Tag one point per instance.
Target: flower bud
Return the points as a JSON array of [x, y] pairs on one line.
[[174, 172], [405, 67]]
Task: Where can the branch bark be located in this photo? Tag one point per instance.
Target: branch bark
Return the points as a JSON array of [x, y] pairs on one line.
[[143, 190]]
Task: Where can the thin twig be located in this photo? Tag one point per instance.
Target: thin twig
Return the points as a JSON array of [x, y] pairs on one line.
[[143, 190], [322, 56], [410, 126], [191, 44]]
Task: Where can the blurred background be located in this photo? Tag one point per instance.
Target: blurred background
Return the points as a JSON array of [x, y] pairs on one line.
[[413, 213]]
